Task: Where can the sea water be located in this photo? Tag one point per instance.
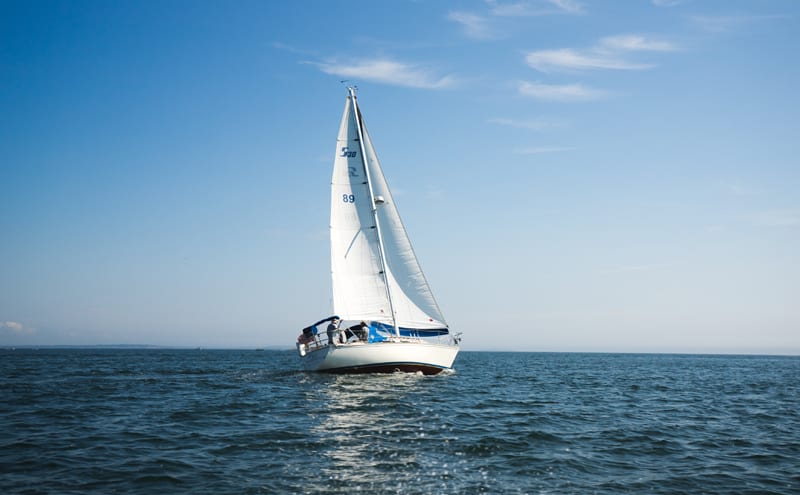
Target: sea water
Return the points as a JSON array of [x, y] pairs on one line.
[[152, 421]]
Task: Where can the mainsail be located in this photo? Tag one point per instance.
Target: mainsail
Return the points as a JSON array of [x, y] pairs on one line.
[[375, 273]]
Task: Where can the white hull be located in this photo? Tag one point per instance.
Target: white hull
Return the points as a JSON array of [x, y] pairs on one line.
[[381, 357]]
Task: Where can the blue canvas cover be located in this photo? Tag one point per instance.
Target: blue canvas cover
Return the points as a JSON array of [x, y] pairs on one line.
[[382, 331]]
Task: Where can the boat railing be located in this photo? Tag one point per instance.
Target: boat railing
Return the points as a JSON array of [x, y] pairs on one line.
[[308, 343], [311, 344], [317, 341]]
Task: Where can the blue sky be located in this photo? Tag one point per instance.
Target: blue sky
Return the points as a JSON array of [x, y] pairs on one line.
[[574, 175]]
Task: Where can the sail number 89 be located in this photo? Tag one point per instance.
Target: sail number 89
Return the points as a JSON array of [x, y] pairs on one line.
[[348, 198]]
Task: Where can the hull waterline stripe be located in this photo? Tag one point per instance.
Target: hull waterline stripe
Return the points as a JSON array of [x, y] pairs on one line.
[[426, 369]]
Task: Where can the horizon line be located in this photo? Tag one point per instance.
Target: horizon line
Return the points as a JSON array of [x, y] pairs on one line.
[[284, 348]]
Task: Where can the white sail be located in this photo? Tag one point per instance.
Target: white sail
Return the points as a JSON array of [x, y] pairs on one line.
[[371, 280], [414, 304], [359, 292]]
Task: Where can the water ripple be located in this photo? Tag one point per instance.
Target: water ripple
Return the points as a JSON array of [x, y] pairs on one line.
[[153, 421]]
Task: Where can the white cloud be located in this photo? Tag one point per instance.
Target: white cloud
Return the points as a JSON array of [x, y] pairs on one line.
[[16, 328], [666, 3], [518, 9], [474, 25], [721, 24], [530, 8], [556, 92], [608, 53], [716, 24], [483, 26], [531, 125], [567, 59], [635, 42], [388, 72], [12, 325], [568, 6]]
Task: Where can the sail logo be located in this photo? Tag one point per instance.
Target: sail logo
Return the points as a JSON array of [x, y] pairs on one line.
[[347, 153]]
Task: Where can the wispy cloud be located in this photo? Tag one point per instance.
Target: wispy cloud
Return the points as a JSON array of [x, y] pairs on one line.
[[568, 6], [531, 125], [532, 8], [716, 24], [384, 70], [666, 3], [634, 42], [16, 328], [516, 9], [568, 59], [474, 25], [484, 25], [560, 92], [722, 24], [608, 53]]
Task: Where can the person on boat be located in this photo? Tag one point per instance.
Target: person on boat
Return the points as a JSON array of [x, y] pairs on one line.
[[308, 336], [361, 331], [356, 333], [333, 331]]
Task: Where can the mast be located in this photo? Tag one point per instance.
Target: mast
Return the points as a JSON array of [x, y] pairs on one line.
[[381, 254]]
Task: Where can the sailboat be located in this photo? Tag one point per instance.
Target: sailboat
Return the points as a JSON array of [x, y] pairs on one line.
[[385, 316]]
